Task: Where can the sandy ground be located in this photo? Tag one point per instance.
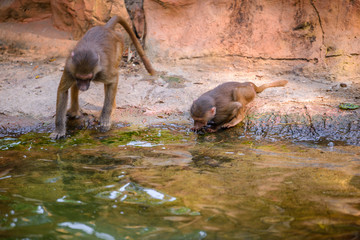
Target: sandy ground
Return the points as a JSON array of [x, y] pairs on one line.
[[31, 65]]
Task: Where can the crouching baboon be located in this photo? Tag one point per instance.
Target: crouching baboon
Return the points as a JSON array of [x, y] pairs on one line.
[[225, 105], [96, 57]]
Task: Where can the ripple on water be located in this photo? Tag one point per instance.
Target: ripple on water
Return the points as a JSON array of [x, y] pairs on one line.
[[83, 229], [134, 193], [143, 144]]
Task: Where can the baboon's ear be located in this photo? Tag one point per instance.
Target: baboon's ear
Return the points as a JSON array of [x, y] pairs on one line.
[[213, 111]]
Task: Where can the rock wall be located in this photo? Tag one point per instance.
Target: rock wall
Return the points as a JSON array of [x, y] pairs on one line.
[[306, 30], [321, 32], [292, 29]]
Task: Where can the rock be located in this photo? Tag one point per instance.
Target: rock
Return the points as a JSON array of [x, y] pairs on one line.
[[196, 28], [136, 12], [276, 29], [324, 32], [25, 10], [72, 16], [79, 16], [37, 40]]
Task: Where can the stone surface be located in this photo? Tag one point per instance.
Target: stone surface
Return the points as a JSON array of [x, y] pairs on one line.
[[38, 39], [324, 32], [72, 16], [25, 10], [136, 12], [266, 29], [79, 16]]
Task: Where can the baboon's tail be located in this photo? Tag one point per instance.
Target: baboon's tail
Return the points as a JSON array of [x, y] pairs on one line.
[[279, 83], [117, 19]]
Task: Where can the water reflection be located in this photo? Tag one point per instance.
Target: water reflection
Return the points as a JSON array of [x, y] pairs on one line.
[[65, 199], [134, 193], [89, 231], [169, 184], [142, 144]]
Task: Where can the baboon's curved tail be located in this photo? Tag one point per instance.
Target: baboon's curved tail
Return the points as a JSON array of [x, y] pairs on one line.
[[279, 83], [117, 19]]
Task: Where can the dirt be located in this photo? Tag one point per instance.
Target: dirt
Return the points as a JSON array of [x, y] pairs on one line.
[[30, 74]]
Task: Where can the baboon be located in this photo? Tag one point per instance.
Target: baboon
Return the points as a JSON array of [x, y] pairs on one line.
[[225, 105], [96, 57]]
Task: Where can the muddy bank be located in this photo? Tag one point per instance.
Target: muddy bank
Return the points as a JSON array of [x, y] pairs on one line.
[[320, 128], [305, 110]]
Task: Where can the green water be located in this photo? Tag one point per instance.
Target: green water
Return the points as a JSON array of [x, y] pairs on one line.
[[167, 183]]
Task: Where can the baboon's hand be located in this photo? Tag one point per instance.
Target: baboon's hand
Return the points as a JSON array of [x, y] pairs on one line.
[[57, 134], [105, 126], [227, 125], [211, 130]]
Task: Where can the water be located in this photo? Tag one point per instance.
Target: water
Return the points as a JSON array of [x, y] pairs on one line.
[[167, 183]]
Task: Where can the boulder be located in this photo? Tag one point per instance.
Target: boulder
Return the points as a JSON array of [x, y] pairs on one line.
[[25, 10], [79, 16], [71, 16]]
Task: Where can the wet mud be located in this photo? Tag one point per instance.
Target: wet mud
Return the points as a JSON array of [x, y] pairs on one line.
[[319, 128]]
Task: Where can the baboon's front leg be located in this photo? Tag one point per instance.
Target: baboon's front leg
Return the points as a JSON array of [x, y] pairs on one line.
[[61, 105], [74, 110], [109, 104]]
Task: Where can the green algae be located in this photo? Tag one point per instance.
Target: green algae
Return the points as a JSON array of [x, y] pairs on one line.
[[174, 81], [348, 106], [151, 135], [88, 138]]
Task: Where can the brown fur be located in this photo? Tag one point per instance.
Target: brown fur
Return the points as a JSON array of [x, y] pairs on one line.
[[96, 57], [225, 105]]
